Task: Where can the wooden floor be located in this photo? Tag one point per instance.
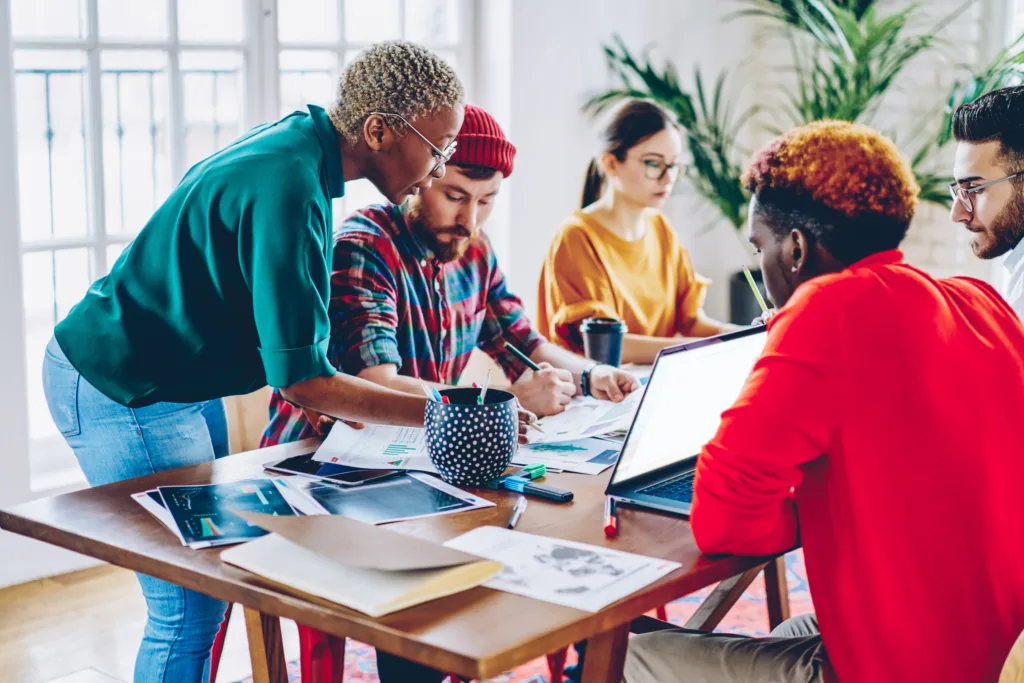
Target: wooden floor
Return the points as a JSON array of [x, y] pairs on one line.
[[86, 627]]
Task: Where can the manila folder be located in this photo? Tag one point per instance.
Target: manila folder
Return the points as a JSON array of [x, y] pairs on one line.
[[367, 568]]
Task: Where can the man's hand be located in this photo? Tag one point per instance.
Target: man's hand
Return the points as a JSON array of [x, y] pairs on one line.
[[765, 317], [545, 392], [323, 423], [611, 384]]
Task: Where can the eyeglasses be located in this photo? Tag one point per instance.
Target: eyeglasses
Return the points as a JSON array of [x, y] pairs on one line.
[[656, 170], [965, 195], [442, 155]]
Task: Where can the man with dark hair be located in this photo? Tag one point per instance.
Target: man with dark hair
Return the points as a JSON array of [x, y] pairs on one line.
[[989, 188], [878, 428], [416, 287]]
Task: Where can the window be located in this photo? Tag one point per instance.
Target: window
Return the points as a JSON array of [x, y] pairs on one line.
[[116, 99]]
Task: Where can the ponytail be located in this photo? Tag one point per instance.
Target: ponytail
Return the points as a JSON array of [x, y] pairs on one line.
[[593, 184]]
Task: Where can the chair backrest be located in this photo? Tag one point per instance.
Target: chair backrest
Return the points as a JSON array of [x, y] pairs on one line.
[[1013, 667], [247, 418]]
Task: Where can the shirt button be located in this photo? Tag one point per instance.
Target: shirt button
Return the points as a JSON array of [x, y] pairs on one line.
[[423, 263]]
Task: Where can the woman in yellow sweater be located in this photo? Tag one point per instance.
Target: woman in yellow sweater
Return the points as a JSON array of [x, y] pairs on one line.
[[617, 256]]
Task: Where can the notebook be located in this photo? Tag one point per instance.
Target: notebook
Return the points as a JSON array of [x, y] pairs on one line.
[[367, 568]]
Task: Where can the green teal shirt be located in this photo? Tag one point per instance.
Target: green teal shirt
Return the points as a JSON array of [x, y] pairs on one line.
[[225, 290]]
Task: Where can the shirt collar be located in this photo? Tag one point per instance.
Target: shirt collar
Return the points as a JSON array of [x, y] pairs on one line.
[[331, 146], [1015, 257], [882, 258]]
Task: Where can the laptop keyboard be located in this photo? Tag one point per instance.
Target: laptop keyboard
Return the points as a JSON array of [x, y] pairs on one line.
[[680, 488]]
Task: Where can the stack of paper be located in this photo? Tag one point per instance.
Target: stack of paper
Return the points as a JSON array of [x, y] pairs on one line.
[[377, 447], [204, 516], [392, 500], [370, 569], [586, 456]]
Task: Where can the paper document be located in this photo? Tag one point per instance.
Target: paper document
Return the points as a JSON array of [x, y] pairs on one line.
[[377, 447], [586, 417], [394, 500], [578, 575], [586, 456]]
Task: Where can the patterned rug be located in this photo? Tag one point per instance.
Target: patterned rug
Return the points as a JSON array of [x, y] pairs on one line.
[[749, 616]]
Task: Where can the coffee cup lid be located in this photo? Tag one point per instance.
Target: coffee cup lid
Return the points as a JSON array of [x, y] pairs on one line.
[[605, 323]]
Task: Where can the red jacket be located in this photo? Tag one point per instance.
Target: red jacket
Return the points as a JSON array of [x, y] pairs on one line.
[[892, 403]]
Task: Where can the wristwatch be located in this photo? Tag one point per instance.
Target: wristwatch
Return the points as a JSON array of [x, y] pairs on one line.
[[585, 380]]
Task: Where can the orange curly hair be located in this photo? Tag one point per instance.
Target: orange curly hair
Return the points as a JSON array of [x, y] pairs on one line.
[[846, 167]]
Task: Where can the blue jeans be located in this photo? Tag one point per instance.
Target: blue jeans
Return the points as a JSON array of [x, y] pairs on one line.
[[112, 443]]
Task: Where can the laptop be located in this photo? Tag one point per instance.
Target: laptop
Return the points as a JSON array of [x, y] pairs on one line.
[[690, 386]]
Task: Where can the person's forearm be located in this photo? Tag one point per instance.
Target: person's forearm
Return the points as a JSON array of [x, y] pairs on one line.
[[642, 350], [562, 359], [351, 398], [703, 326], [409, 385]]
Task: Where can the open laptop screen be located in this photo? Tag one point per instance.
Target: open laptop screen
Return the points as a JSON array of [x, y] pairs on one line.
[[689, 389]]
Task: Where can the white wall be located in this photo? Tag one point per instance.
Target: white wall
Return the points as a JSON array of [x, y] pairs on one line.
[[555, 61]]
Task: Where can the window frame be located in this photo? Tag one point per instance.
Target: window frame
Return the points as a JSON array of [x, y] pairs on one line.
[[260, 51]]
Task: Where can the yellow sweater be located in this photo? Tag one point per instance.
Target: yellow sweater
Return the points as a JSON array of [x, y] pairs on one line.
[[590, 271]]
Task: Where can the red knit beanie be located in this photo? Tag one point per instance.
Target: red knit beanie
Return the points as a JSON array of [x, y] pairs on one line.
[[483, 143]]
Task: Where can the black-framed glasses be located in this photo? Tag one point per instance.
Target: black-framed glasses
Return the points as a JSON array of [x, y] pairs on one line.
[[965, 195], [442, 155], [656, 170]]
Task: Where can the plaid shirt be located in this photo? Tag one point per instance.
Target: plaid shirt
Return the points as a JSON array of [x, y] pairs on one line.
[[393, 302]]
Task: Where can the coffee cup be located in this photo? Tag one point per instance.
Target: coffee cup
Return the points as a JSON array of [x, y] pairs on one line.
[[602, 340]]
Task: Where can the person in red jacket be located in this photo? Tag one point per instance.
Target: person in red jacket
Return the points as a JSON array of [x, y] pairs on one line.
[[879, 429]]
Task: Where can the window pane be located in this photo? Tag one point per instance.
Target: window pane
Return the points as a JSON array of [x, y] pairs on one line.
[[219, 20], [49, 90], [358, 193], [307, 21], [432, 21], [307, 77], [37, 284], [213, 92], [136, 163], [370, 21], [114, 252], [48, 18], [133, 19], [74, 275]]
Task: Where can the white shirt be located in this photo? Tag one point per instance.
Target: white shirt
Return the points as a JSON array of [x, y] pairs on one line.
[[1014, 264]]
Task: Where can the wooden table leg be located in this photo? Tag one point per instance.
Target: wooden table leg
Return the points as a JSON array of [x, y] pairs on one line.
[[776, 591], [717, 605], [606, 655], [266, 649]]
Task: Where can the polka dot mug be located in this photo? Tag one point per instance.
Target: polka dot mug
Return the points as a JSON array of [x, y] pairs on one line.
[[471, 444]]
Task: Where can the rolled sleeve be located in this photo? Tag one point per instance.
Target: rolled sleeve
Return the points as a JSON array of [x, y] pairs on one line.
[[283, 256], [285, 367], [363, 308]]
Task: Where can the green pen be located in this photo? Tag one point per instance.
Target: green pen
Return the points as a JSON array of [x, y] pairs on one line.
[[757, 292]]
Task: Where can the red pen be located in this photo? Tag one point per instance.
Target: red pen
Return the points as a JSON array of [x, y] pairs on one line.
[[444, 399], [611, 518]]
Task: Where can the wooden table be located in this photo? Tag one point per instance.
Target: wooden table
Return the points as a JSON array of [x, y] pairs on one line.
[[477, 634]]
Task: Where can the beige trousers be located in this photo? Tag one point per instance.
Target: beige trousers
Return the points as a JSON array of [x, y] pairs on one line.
[[792, 653]]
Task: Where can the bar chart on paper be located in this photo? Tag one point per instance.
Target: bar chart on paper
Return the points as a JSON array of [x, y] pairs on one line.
[[376, 447]]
